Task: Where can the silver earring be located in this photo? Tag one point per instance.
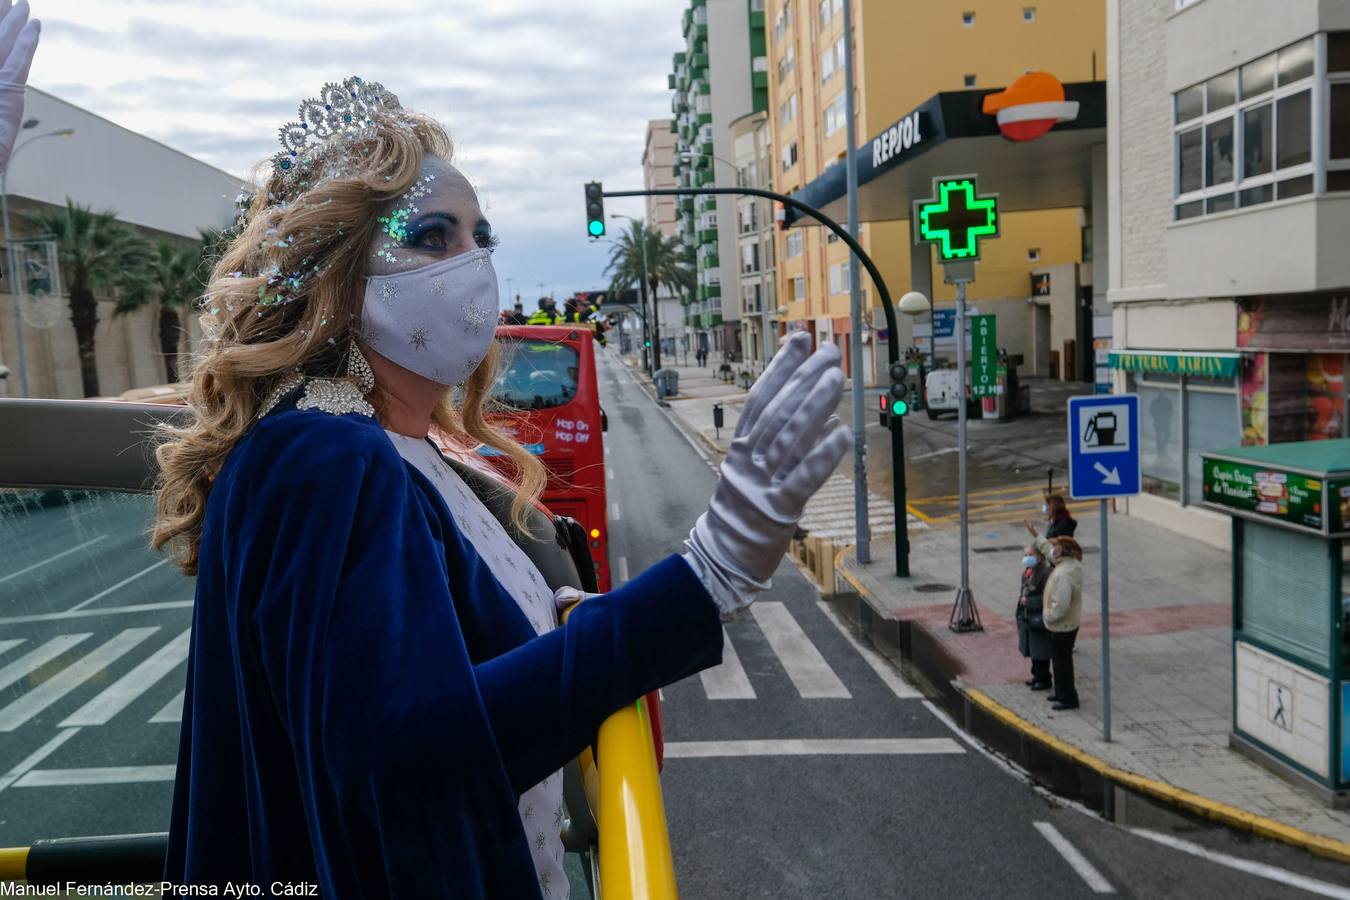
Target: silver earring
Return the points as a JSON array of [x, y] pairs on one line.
[[358, 369]]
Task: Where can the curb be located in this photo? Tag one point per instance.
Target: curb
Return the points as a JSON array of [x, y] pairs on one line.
[[1177, 798]]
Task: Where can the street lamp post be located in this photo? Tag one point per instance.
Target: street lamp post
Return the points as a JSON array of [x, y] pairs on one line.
[[9, 250]]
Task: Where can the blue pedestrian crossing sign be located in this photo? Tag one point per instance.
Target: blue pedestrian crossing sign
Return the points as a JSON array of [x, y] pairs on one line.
[[1103, 446]]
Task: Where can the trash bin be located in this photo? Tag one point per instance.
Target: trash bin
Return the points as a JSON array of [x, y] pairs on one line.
[[667, 382]]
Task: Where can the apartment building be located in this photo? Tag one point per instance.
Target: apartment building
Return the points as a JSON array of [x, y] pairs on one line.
[[1229, 172], [658, 156], [905, 55], [718, 78], [752, 142]]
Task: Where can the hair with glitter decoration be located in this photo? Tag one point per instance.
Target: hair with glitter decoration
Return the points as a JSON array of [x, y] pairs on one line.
[[286, 294]]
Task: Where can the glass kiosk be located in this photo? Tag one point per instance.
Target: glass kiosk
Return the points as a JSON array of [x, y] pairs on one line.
[[1290, 505]]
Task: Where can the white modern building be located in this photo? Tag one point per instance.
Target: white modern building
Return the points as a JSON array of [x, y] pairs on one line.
[[158, 190], [1229, 276]]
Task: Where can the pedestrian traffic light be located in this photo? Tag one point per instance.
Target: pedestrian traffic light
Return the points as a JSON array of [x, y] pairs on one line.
[[899, 390], [595, 209]]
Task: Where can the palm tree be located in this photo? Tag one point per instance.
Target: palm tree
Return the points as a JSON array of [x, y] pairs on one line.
[[96, 253], [176, 283], [665, 264]]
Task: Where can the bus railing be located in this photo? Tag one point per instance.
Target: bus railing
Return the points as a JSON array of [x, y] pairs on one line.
[[613, 789]]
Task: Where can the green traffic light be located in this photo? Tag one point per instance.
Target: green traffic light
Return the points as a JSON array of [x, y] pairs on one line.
[[899, 408], [646, 343], [597, 227]]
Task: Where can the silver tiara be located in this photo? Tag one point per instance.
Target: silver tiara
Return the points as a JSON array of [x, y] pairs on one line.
[[342, 112]]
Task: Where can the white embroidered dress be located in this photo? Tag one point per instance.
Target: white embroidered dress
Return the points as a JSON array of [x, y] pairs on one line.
[[541, 807]]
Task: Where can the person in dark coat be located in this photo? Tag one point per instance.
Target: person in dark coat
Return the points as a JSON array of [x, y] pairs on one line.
[[1058, 521], [1033, 640]]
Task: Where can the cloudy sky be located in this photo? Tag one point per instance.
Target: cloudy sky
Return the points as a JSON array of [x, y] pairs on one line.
[[540, 95]]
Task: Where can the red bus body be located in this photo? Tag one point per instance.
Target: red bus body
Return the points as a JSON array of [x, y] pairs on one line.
[[560, 422]]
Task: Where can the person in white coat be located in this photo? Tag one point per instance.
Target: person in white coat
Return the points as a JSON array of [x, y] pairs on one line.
[[1062, 612]]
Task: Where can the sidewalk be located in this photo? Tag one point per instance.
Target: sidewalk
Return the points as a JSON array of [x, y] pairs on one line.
[[1171, 664]]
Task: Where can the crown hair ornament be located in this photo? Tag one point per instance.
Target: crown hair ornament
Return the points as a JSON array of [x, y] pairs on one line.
[[341, 113]]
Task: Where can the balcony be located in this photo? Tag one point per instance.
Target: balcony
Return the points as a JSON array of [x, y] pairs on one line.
[[699, 62], [707, 235], [705, 177]]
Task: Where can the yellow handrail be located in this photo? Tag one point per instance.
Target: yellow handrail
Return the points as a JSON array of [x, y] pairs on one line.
[[635, 857], [623, 788], [13, 863]]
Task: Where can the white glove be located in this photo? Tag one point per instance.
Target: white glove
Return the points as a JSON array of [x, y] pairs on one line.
[[785, 446], [18, 41]]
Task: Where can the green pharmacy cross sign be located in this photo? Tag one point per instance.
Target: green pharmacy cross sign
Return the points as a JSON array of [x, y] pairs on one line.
[[956, 218]]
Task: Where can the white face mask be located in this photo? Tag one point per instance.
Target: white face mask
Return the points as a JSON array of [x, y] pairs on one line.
[[438, 320]]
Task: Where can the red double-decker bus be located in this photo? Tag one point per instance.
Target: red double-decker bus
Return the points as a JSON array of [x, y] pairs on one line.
[[547, 378]]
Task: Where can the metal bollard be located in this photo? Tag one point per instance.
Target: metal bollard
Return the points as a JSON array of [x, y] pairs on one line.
[[717, 420]]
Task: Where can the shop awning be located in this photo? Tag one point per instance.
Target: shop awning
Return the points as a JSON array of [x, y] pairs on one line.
[[950, 134], [1173, 362]]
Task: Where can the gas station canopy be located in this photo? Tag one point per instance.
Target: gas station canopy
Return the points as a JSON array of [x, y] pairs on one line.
[[951, 132]]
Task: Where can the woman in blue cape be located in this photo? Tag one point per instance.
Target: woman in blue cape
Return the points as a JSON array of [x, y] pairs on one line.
[[379, 695]]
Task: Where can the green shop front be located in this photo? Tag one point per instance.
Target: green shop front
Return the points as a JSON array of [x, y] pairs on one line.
[[1290, 506]]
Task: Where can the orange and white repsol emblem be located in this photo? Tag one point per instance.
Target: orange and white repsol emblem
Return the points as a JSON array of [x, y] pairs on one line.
[[1030, 106]]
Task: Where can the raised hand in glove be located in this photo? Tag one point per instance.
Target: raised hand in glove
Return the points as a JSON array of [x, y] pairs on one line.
[[786, 444], [18, 40]]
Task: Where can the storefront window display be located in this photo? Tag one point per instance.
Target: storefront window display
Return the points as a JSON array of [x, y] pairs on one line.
[[1181, 417]]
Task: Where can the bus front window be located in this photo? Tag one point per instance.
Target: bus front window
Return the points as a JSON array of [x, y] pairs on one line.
[[537, 374]]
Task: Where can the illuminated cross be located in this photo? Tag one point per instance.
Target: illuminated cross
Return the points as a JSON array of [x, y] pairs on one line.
[[956, 219]]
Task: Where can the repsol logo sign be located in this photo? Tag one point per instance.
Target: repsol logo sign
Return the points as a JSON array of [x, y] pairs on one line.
[[896, 139]]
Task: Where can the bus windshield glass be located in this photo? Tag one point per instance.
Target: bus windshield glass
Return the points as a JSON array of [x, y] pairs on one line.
[[536, 374]]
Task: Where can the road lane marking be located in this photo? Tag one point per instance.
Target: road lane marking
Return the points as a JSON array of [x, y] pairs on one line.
[[6, 646], [172, 711], [100, 775], [808, 670], [38, 565], [610, 474], [38, 657], [1077, 861], [118, 695], [885, 671], [614, 512], [943, 451], [623, 570], [727, 681], [36, 757], [812, 747], [71, 677], [106, 591], [106, 611], [1260, 870]]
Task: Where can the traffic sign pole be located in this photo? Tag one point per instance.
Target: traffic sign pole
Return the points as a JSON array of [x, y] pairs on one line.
[[1103, 464], [1106, 627], [962, 615]]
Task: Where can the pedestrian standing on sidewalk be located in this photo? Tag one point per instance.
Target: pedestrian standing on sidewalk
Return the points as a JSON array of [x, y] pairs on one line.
[[1062, 611], [1033, 640], [1061, 524]]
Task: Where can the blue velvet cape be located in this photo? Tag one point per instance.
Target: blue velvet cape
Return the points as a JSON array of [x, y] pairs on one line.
[[365, 703]]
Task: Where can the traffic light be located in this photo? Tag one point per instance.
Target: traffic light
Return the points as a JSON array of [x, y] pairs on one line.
[[595, 209], [899, 393], [646, 343]]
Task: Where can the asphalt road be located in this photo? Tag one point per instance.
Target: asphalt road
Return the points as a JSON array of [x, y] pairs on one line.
[[797, 811], [767, 790]]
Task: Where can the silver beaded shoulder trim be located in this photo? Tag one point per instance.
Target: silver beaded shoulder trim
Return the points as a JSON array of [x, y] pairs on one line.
[[333, 396], [290, 382]]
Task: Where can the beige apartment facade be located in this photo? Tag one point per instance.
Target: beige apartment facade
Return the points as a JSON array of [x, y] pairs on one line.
[[658, 159]]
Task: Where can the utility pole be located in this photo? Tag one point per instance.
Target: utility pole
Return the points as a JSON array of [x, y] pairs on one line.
[[863, 551]]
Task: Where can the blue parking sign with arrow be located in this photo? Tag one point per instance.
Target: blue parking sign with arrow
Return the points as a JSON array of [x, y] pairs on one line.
[[1103, 446]]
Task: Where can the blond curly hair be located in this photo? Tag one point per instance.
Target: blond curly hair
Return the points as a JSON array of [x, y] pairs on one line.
[[286, 294]]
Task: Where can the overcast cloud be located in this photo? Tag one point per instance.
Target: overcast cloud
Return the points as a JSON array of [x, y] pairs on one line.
[[539, 95]]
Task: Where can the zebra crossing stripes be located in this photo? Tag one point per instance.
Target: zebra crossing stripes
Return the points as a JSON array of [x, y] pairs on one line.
[[172, 711], [38, 657], [809, 671], [72, 676], [117, 696], [727, 681]]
